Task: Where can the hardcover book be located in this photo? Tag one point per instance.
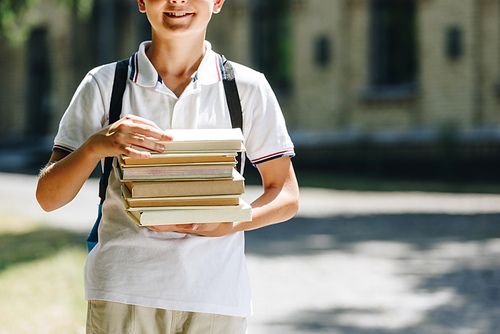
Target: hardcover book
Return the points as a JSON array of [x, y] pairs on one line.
[[209, 200], [190, 215], [181, 158], [204, 140], [174, 171], [165, 188]]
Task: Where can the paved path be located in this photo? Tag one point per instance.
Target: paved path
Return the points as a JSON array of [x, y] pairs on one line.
[[17, 192], [352, 262]]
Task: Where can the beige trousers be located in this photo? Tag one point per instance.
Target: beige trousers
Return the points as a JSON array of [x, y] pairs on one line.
[[115, 318]]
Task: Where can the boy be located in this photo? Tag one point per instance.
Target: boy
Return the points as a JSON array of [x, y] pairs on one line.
[[182, 278]]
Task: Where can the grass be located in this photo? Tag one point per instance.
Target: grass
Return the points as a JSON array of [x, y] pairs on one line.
[[41, 278], [44, 296]]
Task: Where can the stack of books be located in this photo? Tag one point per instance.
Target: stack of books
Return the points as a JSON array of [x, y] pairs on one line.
[[192, 181]]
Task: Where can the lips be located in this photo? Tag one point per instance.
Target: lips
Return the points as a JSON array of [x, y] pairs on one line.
[[177, 14]]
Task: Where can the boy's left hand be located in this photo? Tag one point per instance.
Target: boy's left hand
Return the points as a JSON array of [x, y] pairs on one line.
[[207, 230]]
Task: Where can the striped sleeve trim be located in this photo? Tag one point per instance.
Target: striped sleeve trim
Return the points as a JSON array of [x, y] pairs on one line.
[[62, 149], [287, 153]]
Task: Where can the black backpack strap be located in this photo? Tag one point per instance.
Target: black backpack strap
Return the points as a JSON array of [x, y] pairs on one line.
[[119, 84], [234, 105], [115, 109]]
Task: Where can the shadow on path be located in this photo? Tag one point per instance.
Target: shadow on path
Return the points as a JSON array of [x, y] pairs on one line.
[[301, 236], [458, 255], [474, 283]]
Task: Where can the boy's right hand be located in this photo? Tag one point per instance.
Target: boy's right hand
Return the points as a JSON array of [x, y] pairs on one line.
[[62, 178], [123, 136]]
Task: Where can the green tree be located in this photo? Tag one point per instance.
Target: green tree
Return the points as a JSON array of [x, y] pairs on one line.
[[16, 23]]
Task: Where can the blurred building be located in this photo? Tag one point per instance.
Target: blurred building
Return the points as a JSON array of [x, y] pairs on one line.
[[358, 80], [46, 51]]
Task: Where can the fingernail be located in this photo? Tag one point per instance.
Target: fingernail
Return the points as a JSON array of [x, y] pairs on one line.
[[160, 148]]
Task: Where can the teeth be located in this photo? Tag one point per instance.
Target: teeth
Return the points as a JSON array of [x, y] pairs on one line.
[[177, 14]]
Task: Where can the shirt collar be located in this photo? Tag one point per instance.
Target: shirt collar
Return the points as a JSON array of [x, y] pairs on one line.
[[144, 74]]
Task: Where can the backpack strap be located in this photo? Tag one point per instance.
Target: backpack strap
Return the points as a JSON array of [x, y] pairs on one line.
[[234, 105], [119, 84], [115, 109]]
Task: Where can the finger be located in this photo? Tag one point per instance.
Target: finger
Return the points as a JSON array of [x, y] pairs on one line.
[[161, 228], [136, 125], [186, 227], [136, 154], [141, 141], [147, 128]]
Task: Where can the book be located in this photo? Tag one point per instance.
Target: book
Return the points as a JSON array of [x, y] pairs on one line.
[[180, 158], [204, 140], [193, 181], [163, 188], [190, 215], [177, 171], [209, 200]]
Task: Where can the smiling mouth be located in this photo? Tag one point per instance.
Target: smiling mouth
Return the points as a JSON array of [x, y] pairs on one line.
[[177, 15]]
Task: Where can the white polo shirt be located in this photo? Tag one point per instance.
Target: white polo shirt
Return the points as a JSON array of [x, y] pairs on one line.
[[174, 271]]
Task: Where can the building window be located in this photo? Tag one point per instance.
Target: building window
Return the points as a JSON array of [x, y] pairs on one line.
[[271, 41], [393, 50]]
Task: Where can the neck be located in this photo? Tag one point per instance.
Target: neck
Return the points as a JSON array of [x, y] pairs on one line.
[[176, 59]]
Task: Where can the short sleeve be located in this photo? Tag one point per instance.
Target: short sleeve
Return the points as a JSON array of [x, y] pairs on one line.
[[264, 128], [85, 115]]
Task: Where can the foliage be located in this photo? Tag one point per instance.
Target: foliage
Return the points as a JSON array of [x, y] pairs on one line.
[[16, 21]]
